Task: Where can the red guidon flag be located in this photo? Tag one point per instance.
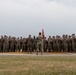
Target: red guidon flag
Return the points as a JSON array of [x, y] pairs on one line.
[[43, 36]]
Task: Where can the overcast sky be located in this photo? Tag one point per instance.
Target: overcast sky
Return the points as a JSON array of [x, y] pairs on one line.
[[24, 17]]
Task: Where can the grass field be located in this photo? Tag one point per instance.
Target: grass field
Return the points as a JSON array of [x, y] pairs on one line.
[[39, 65]]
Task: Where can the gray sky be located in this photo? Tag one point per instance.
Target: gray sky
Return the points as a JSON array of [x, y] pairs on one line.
[[24, 17]]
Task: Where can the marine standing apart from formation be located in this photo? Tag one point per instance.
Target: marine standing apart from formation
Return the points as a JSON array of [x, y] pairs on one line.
[[39, 44]]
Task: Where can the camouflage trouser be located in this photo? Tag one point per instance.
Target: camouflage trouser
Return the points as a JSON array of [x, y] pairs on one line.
[[29, 48], [49, 48], [12, 48], [5, 47], [23, 47], [65, 48], [45, 47], [39, 47], [54, 47], [34, 47], [73, 48], [70, 48], [0, 47], [60, 47], [57, 47], [18, 47], [9, 46]]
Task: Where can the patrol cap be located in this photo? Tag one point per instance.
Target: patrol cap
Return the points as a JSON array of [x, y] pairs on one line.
[[39, 33]]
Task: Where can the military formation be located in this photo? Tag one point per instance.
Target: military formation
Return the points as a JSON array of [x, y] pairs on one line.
[[66, 43]]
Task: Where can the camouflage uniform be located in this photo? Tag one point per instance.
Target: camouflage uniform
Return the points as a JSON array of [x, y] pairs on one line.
[[49, 44], [73, 43], [34, 44], [21, 42], [0, 44], [24, 45], [60, 44], [57, 43], [13, 44], [70, 44], [39, 43], [29, 44], [9, 43], [5, 44], [54, 43], [18, 45], [65, 44], [2, 41], [45, 45]]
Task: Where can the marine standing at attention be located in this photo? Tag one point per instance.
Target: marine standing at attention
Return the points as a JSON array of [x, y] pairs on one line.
[[39, 43]]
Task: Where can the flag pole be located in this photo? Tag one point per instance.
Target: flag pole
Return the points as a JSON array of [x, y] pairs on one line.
[[43, 36]]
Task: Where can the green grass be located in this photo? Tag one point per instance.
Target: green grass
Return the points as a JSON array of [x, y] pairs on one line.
[[39, 65]]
